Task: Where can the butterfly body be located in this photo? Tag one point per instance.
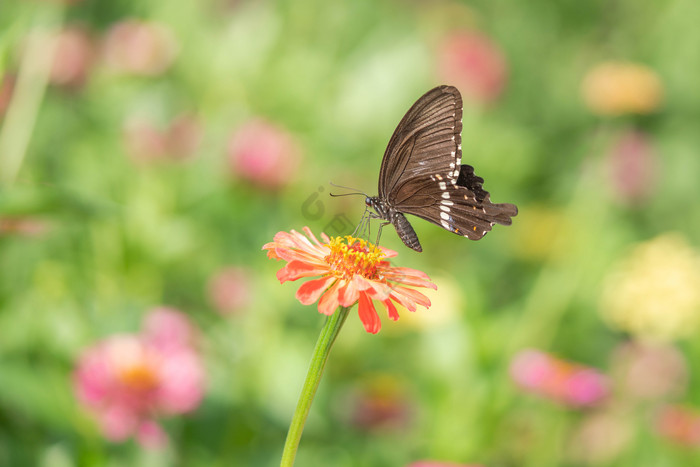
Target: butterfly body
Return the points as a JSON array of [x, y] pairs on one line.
[[403, 228], [422, 174]]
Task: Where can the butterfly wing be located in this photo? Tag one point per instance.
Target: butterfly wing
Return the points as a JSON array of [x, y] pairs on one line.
[[421, 172], [461, 206], [426, 142]]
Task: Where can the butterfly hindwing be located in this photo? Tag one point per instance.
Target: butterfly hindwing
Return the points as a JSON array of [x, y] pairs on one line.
[[463, 210]]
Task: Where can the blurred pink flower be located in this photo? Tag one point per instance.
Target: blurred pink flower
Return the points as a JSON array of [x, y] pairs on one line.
[[566, 382], [22, 226], [7, 87], [679, 424], [184, 136], [147, 143], [63, 2], [649, 370], [381, 403], [129, 380], [632, 163], [264, 154], [474, 63], [439, 464], [230, 290], [73, 57], [139, 47]]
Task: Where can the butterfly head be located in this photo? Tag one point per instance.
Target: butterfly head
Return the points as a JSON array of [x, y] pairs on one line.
[[378, 205]]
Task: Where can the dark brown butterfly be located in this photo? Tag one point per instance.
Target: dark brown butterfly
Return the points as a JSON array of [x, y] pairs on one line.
[[422, 174]]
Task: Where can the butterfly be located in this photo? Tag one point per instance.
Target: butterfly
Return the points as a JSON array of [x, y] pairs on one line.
[[422, 175]]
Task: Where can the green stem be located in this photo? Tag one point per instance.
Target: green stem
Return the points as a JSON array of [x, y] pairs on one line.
[[32, 78], [313, 378]]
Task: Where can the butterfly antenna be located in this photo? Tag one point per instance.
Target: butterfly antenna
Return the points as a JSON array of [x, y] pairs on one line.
[[355, 192]]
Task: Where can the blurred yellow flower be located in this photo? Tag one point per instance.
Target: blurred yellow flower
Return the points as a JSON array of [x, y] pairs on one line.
[[655, 291], [543, 233], [616, 88], [601, 437]]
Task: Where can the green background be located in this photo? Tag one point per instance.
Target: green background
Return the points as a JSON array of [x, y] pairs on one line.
[[124, 237]]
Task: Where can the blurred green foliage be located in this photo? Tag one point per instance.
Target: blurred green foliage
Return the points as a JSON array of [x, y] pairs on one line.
[[113, 235]]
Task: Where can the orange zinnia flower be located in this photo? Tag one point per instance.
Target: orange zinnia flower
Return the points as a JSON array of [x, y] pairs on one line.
[[352, 270]]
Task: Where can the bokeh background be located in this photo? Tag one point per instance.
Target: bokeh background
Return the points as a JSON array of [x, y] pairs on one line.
[[149, 149]]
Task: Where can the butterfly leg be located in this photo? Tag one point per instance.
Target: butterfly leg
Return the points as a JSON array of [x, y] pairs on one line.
[[379, 234], [363, 225], [372, 215]]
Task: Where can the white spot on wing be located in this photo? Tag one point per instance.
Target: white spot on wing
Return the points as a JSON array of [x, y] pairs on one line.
[[444, 215], [446, 195], [443, 186], [446, 202], [444, 208]]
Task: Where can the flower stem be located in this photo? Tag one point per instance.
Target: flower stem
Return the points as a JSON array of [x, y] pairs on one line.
[[313, 378], [23, 111]]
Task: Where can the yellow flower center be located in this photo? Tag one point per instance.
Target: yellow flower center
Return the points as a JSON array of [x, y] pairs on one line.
[[139, 376], [350, 256]]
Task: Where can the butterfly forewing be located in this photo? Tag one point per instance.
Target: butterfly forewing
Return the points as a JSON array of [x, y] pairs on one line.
[[426, 142]]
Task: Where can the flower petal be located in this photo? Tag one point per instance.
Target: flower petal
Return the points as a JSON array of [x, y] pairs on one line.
[[308, 232], [377, 290], [391, 309], [413, 282], [310, 291], [290, 244], [298, 269], [407, 276], [388, 253], [301, 242], [413, 295], [288, 254], [348, 295], [329, 301], [409, 304], [368, 314], [271, 250], [150, 435]]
